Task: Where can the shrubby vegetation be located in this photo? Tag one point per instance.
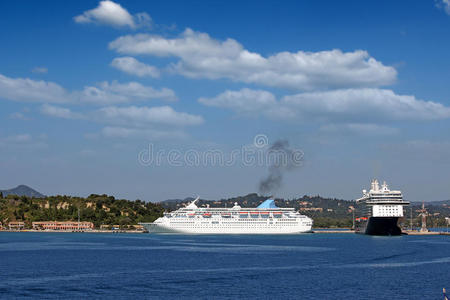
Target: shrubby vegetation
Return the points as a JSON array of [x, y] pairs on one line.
[[99, 209]]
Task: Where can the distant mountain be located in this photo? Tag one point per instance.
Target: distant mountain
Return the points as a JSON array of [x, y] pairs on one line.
[[22, 190]]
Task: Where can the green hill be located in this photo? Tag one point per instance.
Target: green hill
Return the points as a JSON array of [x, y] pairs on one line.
[[99, 209]]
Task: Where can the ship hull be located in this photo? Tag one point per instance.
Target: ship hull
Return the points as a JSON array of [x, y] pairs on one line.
[[165, 228], [379, 226]]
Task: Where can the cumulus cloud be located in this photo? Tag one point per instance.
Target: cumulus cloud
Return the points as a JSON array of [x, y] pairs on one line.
[[29, 90], [132, 121], [132, 66], [249, 102], [376, 104], [40, 70], [19, 116], [143, 116], [444, 4], [20, 138], [429, 151], [59, 112], [22, 141], [360, 129], [367, 105], [153, 134], [201, 56], [115, 92], [113, 14], [245, 100], [154, 123]]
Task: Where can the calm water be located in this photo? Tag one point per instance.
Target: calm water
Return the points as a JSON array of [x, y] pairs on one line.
[[310, 266]]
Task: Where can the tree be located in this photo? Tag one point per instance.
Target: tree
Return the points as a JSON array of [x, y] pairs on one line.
[[1, 195]]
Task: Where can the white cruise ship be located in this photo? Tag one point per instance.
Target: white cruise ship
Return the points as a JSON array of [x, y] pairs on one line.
[[381, 209], [267, 218]]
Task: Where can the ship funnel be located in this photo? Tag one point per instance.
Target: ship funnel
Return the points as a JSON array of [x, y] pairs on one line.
[[269, 203]]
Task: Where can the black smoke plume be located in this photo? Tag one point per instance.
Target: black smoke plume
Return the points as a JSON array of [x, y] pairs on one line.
[[281, 158]]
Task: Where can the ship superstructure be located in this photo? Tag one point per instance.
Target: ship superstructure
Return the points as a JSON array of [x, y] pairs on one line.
[[267, 218], [381, 209]]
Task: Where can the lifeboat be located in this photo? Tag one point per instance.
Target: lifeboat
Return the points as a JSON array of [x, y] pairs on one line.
[[226, 215], [264, 214], [243, 214], [191, 215], [277, 214], [207, 215], [254, 214]]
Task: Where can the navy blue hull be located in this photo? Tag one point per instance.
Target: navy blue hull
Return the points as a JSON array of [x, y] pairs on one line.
[[379, 226]]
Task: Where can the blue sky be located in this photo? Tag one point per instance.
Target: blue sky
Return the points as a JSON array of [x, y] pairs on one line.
[[361, 88]]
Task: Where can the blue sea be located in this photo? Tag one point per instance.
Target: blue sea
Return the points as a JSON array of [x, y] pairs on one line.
[[142, 266]]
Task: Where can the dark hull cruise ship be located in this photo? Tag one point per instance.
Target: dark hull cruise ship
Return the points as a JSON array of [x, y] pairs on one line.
[[381, 210]]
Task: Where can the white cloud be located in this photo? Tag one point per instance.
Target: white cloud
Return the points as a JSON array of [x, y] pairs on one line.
[[360, 129], [40, 70], [132, 66], [59, 112], [19, 116], [123, 132], [201, 56], [245, 100], [87, 152], [20, 138], [368, 104], [144, 116], [115, 92], [23, 141], [132, 121], [113, 14], [360, 105], [444, 4], [29, 90], [428, 151], [249, 102]]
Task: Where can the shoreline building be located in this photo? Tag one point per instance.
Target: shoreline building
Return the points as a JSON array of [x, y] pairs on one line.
[[67, 225], [17, 225]]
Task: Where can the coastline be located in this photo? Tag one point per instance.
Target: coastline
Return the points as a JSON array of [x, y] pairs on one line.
[[316, 230], [71, 231]]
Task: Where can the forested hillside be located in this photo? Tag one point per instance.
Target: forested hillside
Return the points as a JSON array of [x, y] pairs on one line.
[[99, 209]]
